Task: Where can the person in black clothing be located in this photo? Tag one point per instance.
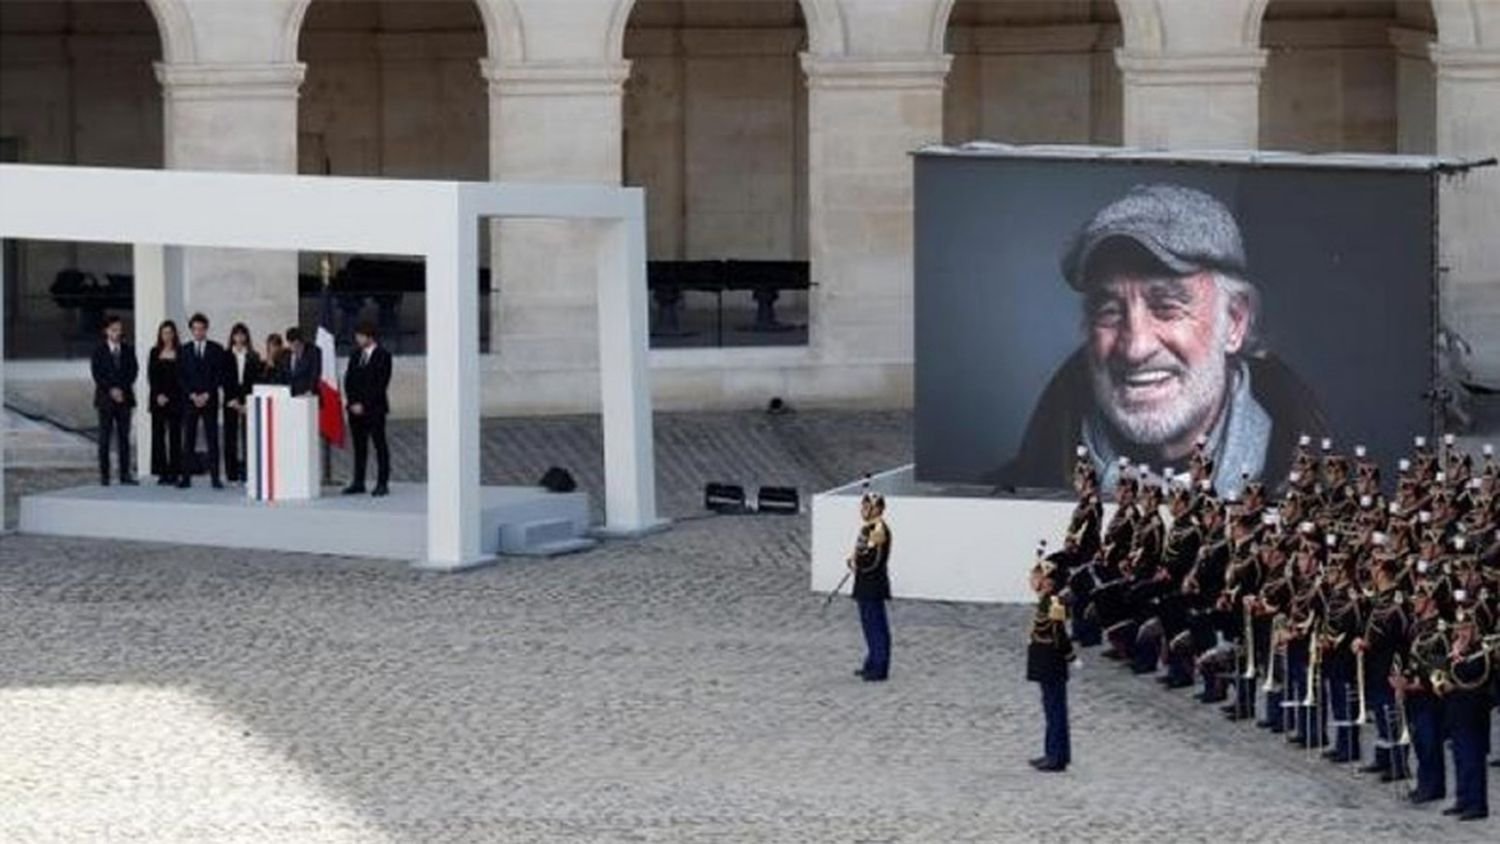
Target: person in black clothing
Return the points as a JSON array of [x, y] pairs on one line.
[[872, 586], [202, 367], [167, 401], [365, 384], [1048, 653], [114, 368], [304, 366], [273, 366], [242, 371]]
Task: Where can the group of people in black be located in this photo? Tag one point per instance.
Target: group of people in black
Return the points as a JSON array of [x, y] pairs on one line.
[[196, 384], [1322, 612]]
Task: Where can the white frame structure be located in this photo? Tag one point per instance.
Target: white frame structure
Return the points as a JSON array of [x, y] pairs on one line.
[[161, 212]]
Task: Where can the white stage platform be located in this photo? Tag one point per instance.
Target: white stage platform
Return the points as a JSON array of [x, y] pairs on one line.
[[945, 546], [518, 520]]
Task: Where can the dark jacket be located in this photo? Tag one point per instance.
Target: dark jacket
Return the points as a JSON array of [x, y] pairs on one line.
[[111, 372], [303, 374], [237, 387], [366, 384], [203, 374], [1046, 456], [872, 553], [165, 379], [1049, 650]]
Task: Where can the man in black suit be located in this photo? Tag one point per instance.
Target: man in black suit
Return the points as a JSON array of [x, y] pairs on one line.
[[114, 368], [304, 364], [365, 391], [202, 369]]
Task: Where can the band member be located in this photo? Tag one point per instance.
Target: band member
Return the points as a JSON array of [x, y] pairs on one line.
[[1467, 689], [366, 381], [1427, 654], [167, 399], [242, 371], [1048, 653], [202, 367], [1385, 632], [872, 586], [114, 368]]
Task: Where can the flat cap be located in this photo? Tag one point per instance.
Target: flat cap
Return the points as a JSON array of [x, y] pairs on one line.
[[1184, 230]]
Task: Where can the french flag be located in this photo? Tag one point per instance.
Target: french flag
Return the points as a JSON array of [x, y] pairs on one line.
[[330, 399]]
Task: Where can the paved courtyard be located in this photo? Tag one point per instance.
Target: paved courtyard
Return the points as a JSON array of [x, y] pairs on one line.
[[686, 687]]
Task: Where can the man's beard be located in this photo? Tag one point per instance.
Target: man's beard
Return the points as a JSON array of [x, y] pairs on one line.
[[1198, 396]]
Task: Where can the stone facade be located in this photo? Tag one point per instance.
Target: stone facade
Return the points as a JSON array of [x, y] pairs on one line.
[[761, 129]]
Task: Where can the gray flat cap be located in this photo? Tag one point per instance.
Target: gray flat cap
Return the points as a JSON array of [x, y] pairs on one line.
[[1185, 230]]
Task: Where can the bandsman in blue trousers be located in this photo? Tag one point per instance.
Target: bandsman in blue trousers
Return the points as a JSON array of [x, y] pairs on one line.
[[1047, 656]]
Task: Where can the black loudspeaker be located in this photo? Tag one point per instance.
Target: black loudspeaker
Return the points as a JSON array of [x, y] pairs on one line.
[[724, 498], [781, 500], [557, 479]]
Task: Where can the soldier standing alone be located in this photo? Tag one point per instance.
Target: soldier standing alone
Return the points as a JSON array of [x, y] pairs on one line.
[[1047, 658], [872, 586]]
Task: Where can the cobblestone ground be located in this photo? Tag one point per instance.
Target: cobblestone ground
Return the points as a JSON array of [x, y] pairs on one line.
[[685, 687]]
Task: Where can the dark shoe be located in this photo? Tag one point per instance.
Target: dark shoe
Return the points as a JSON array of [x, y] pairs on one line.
[[104, 482], [1051, 767], [1374, 769], [1419, 798], [1230, 709], [166, 480], [185, 484], [354, 489], [218, 484], [1453, 811], [380, 491], [1039, 762], [1391, 776], [874, 678], [1473, 815], [129, 482], [1265, 725]]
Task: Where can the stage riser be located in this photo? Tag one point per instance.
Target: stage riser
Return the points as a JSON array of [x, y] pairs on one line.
[[393, 528], [944, 548]]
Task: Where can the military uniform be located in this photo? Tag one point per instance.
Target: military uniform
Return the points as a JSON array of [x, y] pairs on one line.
[[1467, 708], [872, 588], [1048, 653]]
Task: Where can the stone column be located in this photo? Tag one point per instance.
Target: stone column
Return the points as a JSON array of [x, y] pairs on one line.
[[865, 117], [242, 118], [550, 122], [1468, 125], [1192, 101]]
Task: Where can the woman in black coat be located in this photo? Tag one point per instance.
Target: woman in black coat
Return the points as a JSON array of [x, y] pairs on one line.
[[166, 405], [242, 371]]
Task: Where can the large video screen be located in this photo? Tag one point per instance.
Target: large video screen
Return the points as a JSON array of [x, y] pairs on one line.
[[1137, 307]]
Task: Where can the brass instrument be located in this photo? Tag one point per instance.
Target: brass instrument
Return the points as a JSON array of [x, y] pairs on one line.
[[1278, 632], [1359, 680], [1249, 672]]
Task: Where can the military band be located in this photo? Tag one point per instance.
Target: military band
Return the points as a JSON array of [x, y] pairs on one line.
[[1358, 628]]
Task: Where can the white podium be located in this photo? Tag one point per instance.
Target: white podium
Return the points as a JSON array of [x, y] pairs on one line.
[[281, 445]]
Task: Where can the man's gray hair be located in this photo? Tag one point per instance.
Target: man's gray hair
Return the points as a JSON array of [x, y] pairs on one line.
[[1234, 289]]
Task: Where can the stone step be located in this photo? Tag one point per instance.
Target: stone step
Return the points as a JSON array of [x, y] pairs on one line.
[[38, 444], [543, 537]]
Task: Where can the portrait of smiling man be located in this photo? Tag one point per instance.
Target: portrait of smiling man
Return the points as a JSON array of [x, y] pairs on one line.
[[1170, 353]]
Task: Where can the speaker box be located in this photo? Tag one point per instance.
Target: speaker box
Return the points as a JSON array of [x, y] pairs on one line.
[[724, 498], [780, 500]]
